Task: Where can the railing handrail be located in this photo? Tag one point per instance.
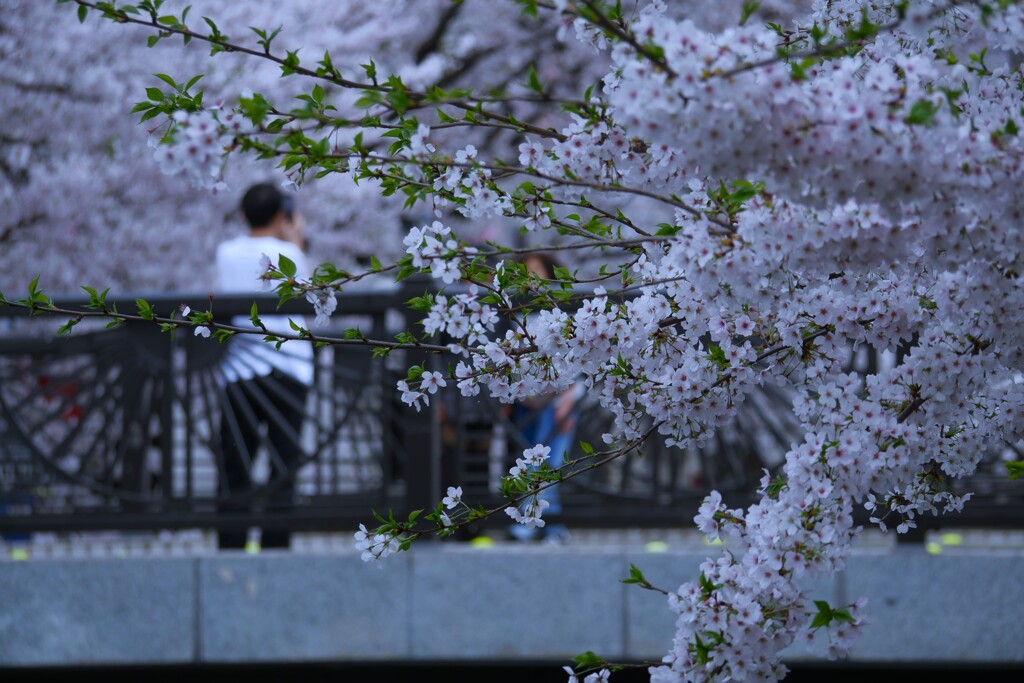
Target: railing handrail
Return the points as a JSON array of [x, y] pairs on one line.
[[357, 300]]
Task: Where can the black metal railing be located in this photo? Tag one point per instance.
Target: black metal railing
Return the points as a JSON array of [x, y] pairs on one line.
[[119, 429]]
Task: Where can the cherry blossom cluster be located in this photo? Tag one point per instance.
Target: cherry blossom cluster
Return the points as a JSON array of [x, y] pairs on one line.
[[417, 394], [375, 547], [462, 317], [435, 248], [530, 512], [199, 142], [324, 302], [470, 188], [876, 227]]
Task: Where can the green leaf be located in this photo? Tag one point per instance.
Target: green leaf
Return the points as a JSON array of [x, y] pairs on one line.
[[286, 266], [717, 356], [742, 191], [922, 113], [636, 576], [707, 586], [145, 310], [865, 30], [371, 70], [824, 616], [291, 62], [1015, 468], [149, 114], [588, 660], [65, 329], [775, 486], [167, 79], [83, 11], [842, 615], [748, 9], [533, 81]]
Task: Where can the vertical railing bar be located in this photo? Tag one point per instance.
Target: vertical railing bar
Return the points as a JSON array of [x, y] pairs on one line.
[[210, 389]]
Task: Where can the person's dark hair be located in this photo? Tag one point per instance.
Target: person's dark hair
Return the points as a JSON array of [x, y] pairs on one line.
[[261, 203], [549, 261]]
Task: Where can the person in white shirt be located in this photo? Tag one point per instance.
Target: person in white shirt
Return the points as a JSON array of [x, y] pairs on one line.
[[264, 387]]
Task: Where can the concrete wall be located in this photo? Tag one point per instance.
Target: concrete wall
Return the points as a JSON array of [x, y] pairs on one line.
[[454, 602]]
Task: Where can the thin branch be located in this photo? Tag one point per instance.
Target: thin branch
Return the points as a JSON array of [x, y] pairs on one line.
[[36, 309], [601, 20], [418, 99], [531, 172], [8, 232], [433, 41], [820, 51], [911, 408]]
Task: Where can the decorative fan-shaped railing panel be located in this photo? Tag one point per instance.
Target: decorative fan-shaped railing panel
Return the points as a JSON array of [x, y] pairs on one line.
[[129, 421]]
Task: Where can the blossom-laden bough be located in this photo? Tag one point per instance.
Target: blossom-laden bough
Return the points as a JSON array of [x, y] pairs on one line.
[[736, 206]]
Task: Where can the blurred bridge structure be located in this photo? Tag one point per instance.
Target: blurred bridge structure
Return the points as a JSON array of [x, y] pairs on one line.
[[109, 459]]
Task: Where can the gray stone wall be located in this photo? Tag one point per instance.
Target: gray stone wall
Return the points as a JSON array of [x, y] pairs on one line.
[[455, 602]]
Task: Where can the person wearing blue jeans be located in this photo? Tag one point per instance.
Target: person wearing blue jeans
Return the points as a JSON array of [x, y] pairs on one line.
[[549, 420], [545, 421]]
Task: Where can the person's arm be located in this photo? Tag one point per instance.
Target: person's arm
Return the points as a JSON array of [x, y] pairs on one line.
[[565, 407], [294, 231]]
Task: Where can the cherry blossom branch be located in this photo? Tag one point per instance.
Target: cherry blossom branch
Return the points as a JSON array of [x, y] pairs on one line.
[[533, 173], [839, 47], [824, 50], [37, 308], [568, 227], [566, 472], [416, 99], [24, 222], [595, 16]]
